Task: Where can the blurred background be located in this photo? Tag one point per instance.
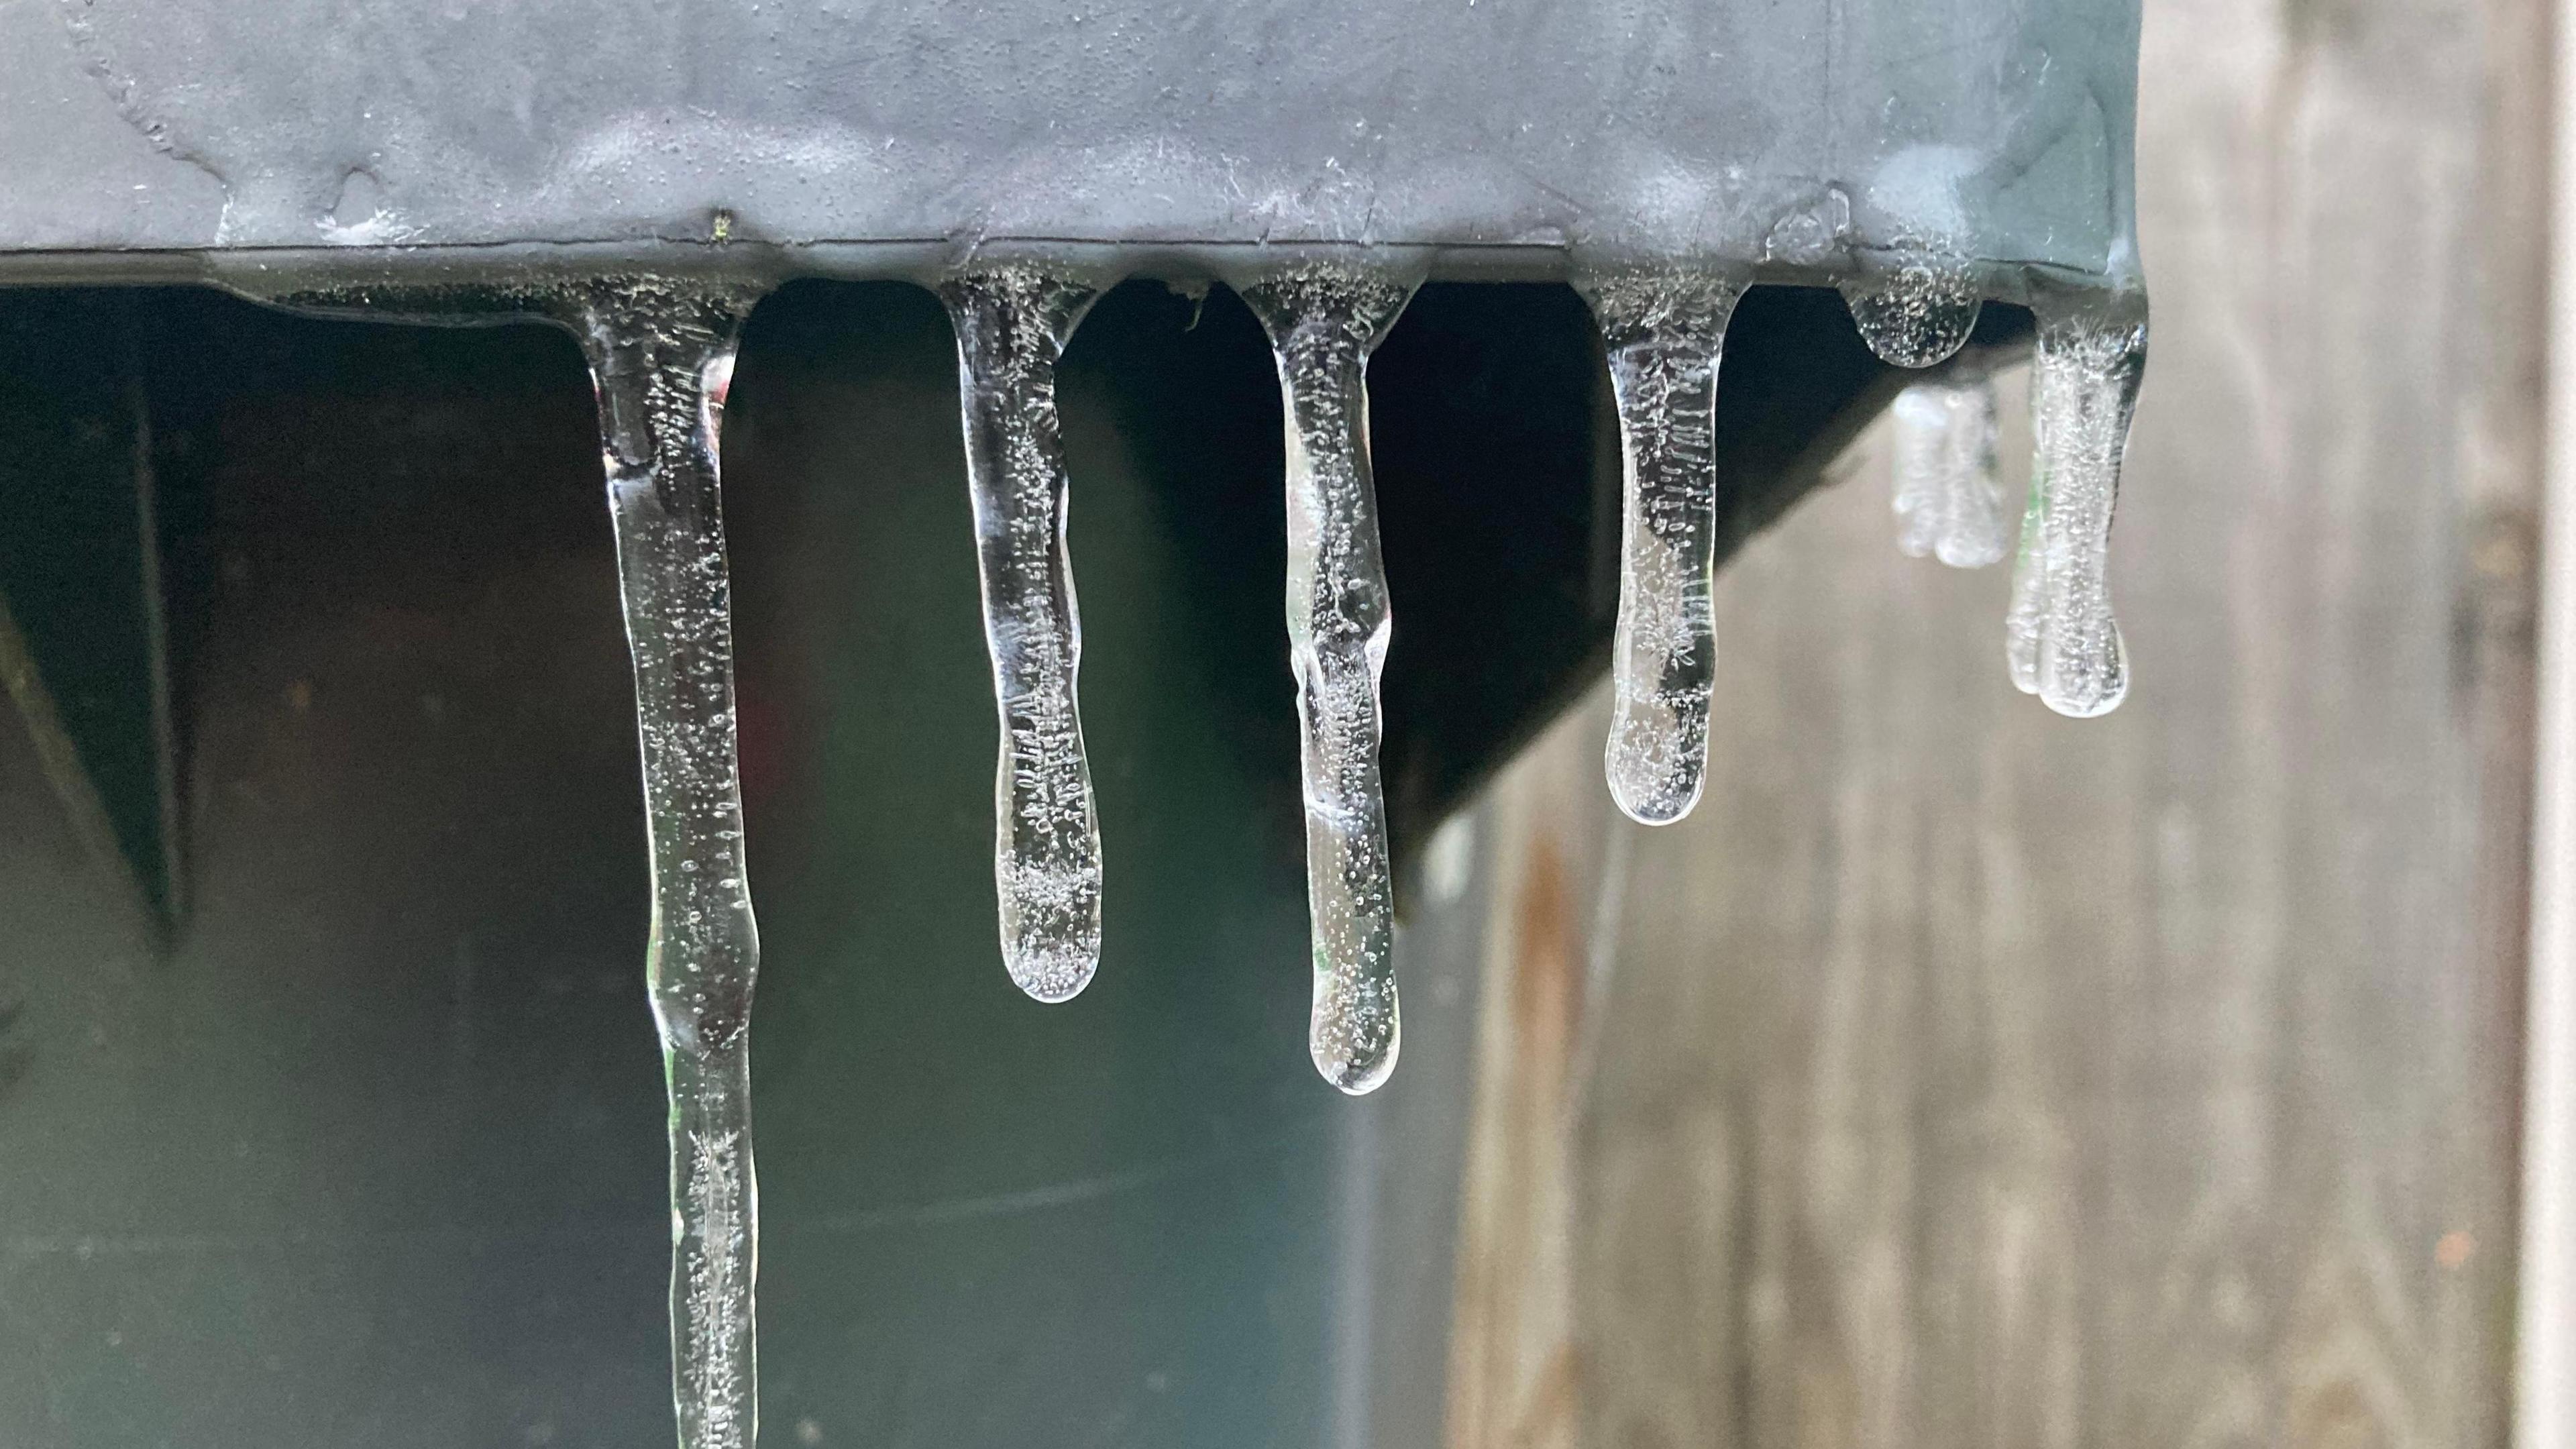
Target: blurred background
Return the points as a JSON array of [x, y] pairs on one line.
[[1958, 1074]]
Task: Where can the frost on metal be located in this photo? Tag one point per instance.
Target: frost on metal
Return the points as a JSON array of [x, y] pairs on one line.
[[1803, 132]]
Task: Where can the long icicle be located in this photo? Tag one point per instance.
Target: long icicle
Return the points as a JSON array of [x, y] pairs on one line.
[[1323, 323], [1665, 333], [2060, 639], [1012, 323], [1949, 498], [661, 356]]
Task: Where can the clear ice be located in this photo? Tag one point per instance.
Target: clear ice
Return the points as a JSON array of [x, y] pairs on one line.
[[1665, 332], [1915, 308], [1012, 323], [661, 357], [1949, 497], [2060, 639], [1323, 322]]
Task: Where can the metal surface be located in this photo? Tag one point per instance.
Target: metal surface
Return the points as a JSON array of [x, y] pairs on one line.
[[1500, 134]]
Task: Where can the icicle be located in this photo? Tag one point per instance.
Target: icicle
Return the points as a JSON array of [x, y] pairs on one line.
[[2025, 618], [1323, 322], [1914, 310], [661, 357], [2060, 639], [1012, 323], [1949, 498], [1665, 332]]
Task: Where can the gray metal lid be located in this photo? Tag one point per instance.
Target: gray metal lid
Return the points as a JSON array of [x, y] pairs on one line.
[[1504, 134]]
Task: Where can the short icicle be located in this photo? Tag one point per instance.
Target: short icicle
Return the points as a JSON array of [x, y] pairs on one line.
[[1915, 308], [1012, 322], [661, 356], [1949, 498], [2061, 641], [1323, 322], [1665, 332]]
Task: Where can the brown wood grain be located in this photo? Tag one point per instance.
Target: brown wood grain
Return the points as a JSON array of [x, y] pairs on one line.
[[1962, 1075]]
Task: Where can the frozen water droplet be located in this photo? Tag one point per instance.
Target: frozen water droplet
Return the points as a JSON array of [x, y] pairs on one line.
[[661, 357], [1949, 499], [1810, 235], [1915, 309], [1012, 323], [2061, 641], [1665, 332], [362, 198], [1323, 322]]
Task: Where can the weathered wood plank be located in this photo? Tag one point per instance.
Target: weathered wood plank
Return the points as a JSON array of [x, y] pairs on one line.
[[1960, 1075]]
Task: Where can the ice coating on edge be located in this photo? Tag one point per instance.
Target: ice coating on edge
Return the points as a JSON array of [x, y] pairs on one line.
[[1012, 323], [1665, 332], [1323, 321], [2060, 639], [1916, 308], [1949, 498], [661, 356]]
